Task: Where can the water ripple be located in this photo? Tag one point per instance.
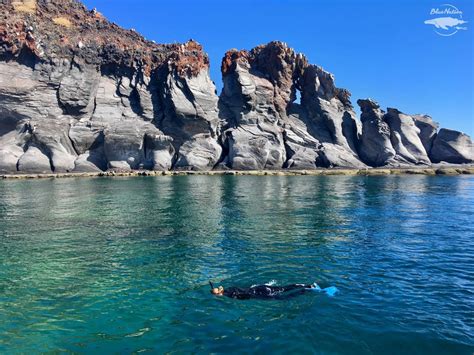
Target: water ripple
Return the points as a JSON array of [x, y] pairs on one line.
[[121, 265]]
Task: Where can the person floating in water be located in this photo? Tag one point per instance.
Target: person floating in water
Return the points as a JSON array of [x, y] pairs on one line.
[[263, 291]]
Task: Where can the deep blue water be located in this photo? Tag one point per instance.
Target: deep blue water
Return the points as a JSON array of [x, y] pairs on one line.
[[120, 265]]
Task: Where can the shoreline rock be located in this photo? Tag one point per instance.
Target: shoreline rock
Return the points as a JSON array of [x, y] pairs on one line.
[[80, 94], [431, 171]]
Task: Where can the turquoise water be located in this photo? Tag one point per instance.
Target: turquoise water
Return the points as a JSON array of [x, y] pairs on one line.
[[120, 265]]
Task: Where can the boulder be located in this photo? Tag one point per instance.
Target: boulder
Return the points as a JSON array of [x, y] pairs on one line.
[[86, 136], [452, 147], [12, 141], [200, 153], [52, 136], [160, 152], [405, 137], [9, 156], [90, 162], [34, 161]]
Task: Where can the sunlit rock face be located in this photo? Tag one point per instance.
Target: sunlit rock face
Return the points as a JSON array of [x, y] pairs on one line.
[[452, 147], [267, 128], [375, 145], [80, 94], [428, 130]]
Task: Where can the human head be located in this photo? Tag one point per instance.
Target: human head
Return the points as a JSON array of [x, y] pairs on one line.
[[217, 291]]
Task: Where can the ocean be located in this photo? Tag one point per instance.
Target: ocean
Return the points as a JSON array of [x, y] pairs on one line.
[[121, 265]]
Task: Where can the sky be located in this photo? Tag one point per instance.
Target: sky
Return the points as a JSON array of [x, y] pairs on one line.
[[377, 49]]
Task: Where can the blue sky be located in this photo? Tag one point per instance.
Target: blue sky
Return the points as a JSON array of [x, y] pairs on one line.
[[377, 49]]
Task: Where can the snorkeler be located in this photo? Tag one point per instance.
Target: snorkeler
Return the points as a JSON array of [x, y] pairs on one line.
[[262, 291]]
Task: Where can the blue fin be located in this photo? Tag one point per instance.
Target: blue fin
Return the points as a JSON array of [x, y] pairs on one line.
[[331, 291]]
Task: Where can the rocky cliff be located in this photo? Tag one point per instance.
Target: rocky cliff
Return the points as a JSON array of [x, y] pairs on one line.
[[78, 93]]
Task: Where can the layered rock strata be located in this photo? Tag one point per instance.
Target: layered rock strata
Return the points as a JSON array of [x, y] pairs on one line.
[[266, 126], [80, 94]]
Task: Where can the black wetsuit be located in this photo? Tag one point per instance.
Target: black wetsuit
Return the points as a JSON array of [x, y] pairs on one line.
[[266, 292]]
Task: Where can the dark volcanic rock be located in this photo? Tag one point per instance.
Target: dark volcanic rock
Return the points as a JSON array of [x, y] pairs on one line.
[[268, 129], [79, 93], [191, 118], [248, 105], [405, 137], [330, 118], [375, 145], [394, 138], [428, 129], [452, 147], [95, 96]]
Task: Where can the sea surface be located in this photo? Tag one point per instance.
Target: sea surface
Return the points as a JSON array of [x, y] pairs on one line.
[[121, 265]]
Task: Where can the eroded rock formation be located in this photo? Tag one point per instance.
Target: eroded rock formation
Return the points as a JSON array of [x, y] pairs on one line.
[[78, 93], [397, 139], [452, 146], [267, 128]]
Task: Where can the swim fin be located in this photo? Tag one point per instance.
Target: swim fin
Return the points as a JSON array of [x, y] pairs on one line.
[[330, 291]]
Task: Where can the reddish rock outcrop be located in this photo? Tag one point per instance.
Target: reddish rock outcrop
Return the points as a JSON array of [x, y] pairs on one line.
[[79, 93], [126, 102]]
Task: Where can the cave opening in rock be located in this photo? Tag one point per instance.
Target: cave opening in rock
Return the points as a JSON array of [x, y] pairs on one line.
[[297, 99]]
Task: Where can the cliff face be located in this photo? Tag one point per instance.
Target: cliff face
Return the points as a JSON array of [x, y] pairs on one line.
[[268, 128], [78, 93]]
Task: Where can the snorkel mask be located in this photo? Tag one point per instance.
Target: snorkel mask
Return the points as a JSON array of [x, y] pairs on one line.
[[216, 290]]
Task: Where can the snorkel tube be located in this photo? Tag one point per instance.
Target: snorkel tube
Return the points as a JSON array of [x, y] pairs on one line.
[[210, 284]]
